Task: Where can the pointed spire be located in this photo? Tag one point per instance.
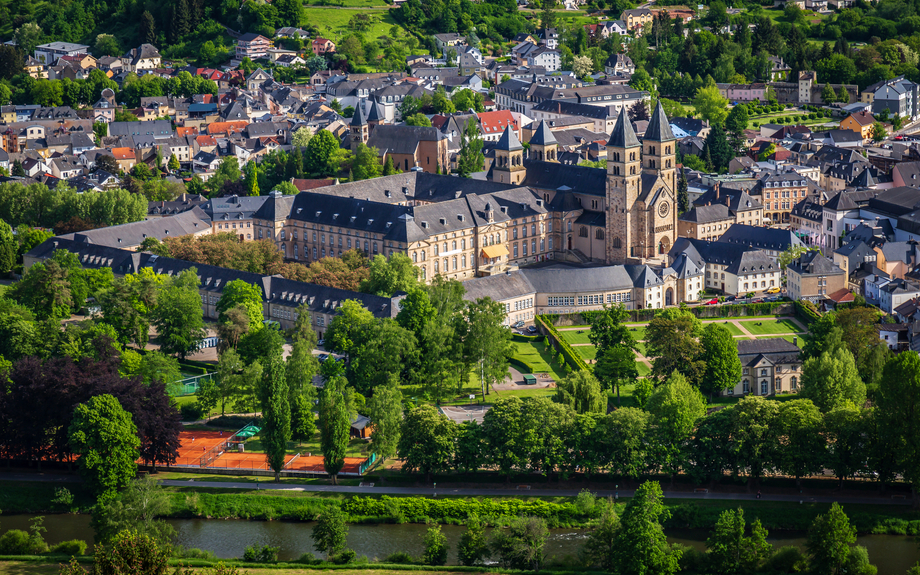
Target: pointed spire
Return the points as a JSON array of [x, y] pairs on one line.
[[659, 130], [359, 119], [543, 136], [509, 141], [373, 114], [623, 135]]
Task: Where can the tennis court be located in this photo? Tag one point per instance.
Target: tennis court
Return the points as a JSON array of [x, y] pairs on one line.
[[230, 460], [194, 444], [314, 464]]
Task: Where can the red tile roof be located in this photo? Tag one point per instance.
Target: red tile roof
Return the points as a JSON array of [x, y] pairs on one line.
[[495, 122]]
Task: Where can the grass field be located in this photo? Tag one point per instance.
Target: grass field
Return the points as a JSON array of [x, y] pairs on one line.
[[333, 23], [587, 352], [771, 327], [637, 331], [535, 356], [734, 329], [643, 369], [573, 337], [348, 3], [799, 341]]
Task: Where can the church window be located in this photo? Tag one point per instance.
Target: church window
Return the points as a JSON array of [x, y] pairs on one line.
[[616, 243], [570, 225], [583, 232], [599, 234], [632, 170]]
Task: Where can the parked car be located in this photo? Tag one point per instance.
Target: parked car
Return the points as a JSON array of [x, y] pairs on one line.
[[321, 342], [532, 329], [773, 290], [757, 300], [773, 298], [730, 298], [519, 324], [713, 301], [323, 357]]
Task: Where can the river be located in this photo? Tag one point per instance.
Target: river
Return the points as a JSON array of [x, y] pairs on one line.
[[228, 538]]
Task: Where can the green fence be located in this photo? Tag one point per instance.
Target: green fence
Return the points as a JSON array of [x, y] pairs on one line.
[[190, 385]]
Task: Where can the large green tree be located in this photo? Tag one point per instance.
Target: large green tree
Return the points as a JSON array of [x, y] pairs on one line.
[[641, 547], [330, 532], [829, 542], [582, 392], [276, 415], [801, 444], [720, 352], [470, 159], [832, 380], [426, 443], [898, 410], [241, 293], [672, 339], [347, 330], [391, 275], [335, 422], [103, 434], [178, 317], [385, 411], [675, 407], [732, 552], [486, 342]]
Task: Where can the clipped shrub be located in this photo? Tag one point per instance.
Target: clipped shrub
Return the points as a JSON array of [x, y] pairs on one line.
[[261, 554], [399, 558], [72, 547], [191, 411]]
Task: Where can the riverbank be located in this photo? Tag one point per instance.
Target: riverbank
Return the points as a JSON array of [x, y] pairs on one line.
[[260, 502]]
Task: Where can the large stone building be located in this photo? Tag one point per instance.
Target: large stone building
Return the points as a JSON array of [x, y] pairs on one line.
[[641, 191]]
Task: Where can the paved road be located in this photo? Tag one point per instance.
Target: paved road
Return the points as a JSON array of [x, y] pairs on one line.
[[430, 491]]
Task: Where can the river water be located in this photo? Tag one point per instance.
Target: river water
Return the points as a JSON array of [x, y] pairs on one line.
[[228, 538]]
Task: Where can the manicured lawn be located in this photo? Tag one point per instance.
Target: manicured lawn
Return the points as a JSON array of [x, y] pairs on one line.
[[643, 369], [573, 327], [536, 356], [637, 331], [333, 23], [769, 327], [351, 3], [587, 352], [640, 347], [521, 393], [573, 337], [734, 329]]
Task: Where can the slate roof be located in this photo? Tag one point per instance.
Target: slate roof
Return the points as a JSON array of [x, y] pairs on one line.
[[543, 136], [509, 141], [133, 234], [556, 177], [499, 287], [400, 139], [813, 263], [776, 350], [563, 279], [706, 214], [623, 135], [841, 202], [759, 237], [659, 130], [738, 259]]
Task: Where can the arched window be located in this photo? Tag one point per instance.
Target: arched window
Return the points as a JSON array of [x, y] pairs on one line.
[[462, 244], [454, 262], [616, 243], [514, 233], [793, 382], [583, 232], [632, 170], [764, 387], [599, 234], [453, 245], [570, 225], [436, 266], [414, 257], [763, 372], [533, 229]]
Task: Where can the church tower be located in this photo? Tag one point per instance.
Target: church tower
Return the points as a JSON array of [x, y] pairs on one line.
[[509, 159], [359, 131], [623, 174], [658, 149], [543, 145]]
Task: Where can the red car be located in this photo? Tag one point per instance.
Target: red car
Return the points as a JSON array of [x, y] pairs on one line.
[[713, 301]]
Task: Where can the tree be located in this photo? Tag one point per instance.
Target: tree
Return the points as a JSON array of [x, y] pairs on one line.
[[599, 546], [752, 433], [730, 551], [828, 96], [898, 399], [675, 407], [385, 411], [720, 352], [791, 253], [710, 105], [641, 547], [335, 421], [801, 444], [470, 159], [672, 340], [435, 547], [251, 179], [27, 38], [347, 330], [8, 248], [388, 168], [136, 508], [417, 119], [616, 366], [485, 340], [276, 415], [107, 45], [829, 539], [148, 28], [582, 66], [426, 443], [178, 317], [581, 391], [367, 163], [390, 275], [683, 197], [718, 150], [330, 532], [243, 294], [472, 548], [130, 552], [103, 434], [832, 380], [521, 545], [260, 344], [878, 132]]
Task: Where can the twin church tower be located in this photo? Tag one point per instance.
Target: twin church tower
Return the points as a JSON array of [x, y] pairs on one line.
[[641, 195]]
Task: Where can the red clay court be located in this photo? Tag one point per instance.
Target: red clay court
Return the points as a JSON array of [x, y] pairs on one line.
[[195, 444]]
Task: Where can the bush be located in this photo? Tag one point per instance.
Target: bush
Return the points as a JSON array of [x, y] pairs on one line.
[[260, 554], [307, 559], [235, 422], [18, 542], [193, 553], [343, 557], [400, 558], [191, 411], [72, 547], [435, 546], [787, 559]]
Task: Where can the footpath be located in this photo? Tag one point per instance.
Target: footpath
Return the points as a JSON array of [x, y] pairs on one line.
[[701, 494]]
